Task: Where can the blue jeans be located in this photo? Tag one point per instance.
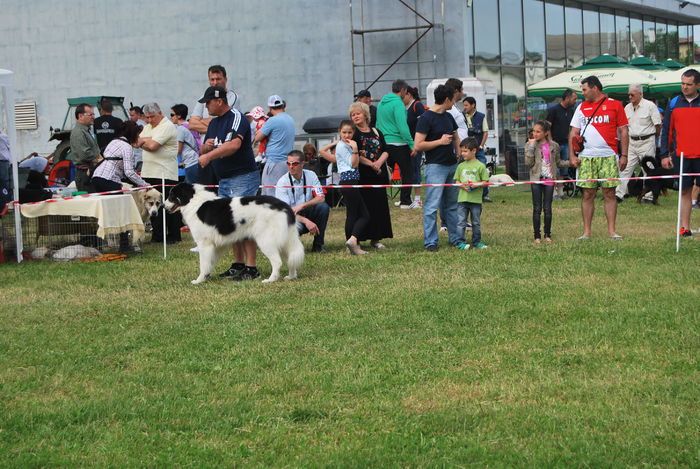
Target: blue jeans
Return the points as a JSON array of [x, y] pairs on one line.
[[192, 174], [318, 214], [564, 156], [463, 210], [481, 156], [443, 198], [240, 186], [417, 176]]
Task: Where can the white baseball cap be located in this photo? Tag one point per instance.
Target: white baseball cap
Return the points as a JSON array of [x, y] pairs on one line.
[[275, 101]]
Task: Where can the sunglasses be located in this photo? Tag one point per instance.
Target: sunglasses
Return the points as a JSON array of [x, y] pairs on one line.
[[172, 114], [293, 163]]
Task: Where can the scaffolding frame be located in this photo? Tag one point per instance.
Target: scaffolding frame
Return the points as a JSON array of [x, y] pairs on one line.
[[422, 26]]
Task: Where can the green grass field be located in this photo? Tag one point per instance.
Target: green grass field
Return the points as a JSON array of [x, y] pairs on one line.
[[578, 354]]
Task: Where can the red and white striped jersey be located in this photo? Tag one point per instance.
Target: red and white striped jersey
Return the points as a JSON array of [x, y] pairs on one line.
[[601, 133]]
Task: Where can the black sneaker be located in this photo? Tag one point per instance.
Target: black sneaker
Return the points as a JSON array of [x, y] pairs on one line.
[[235, 270], [431, 248], [318, 249], [248, 273]]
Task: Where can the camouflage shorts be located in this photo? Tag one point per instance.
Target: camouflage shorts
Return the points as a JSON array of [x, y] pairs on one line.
[[598, 168]]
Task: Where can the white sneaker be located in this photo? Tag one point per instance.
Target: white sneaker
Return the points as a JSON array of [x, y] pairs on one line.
[[397, 204], [443, 228], [416, 204], [403, 207]]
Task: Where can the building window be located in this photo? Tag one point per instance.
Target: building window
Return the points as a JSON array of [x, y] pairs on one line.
[[685, 44], [607, 32], [636, 36], [574, 34], [672, 41], [486, 43], [650, 38], [511, 23], [591, 34], [535, 49], [622, 27], [556, 40], [661, 34]]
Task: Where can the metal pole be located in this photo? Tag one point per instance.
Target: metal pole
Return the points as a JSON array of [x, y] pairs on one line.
[[8, 98], [680, 197], [165, 236]]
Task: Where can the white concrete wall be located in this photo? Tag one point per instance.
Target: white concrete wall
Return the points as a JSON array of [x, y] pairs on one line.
[[160, 51]]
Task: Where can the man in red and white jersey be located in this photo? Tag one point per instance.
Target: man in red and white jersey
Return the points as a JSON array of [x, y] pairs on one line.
[[603, 121]]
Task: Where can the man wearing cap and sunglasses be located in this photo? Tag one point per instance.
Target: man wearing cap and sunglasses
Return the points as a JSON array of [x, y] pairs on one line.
[[301, 190], [279, 130], [228, 150]]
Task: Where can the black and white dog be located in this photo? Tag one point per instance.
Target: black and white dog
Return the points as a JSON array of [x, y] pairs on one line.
[[216, 223], [652, 167]]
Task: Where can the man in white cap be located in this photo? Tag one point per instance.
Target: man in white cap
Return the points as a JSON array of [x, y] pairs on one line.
[[279, 130]]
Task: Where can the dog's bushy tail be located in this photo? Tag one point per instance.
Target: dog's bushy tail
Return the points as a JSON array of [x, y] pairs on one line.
[[649, 164], [294, 248]]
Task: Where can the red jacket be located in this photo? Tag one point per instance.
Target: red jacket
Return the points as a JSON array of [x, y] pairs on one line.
[[685, 122]]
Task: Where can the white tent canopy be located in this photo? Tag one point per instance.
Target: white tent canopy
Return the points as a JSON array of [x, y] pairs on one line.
[[7, 118]]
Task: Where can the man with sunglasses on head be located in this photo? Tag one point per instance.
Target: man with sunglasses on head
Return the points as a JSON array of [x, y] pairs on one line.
[[301, 190]]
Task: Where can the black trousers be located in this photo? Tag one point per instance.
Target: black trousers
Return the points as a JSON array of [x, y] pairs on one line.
[[82, 180], [173, 221], [401, 155], [542, 199], [357, 215]]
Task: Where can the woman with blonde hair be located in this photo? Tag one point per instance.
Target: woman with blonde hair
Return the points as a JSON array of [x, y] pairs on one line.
[[373, 170]]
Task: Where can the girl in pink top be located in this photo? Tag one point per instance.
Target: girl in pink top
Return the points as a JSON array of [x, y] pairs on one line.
[[542, 156]]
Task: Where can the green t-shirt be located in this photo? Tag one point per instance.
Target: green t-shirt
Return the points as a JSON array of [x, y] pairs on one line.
[[471, 171]]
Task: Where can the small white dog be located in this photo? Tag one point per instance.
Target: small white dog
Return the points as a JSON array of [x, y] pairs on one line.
[[148, 201], [216, 223]]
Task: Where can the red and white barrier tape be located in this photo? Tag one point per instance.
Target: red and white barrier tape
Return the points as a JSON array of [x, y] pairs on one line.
[[92, 194], [381, 186]]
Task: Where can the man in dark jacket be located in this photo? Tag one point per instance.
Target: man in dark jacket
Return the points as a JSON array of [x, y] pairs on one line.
[[678, 134], [85, 153]]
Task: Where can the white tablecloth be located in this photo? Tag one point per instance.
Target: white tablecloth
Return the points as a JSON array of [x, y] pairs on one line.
[[115, 213]]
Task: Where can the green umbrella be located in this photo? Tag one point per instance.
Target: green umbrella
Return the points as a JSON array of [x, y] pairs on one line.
[[615, 81], [646, 63], [672, 64], [603, 61], [668, 82]]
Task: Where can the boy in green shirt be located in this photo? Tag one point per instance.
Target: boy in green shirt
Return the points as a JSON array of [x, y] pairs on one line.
[[472, 173]]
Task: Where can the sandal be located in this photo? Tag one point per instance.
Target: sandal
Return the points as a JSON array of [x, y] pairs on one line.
[[538, 241], [378, 245], [616, 237], [354, 248]]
